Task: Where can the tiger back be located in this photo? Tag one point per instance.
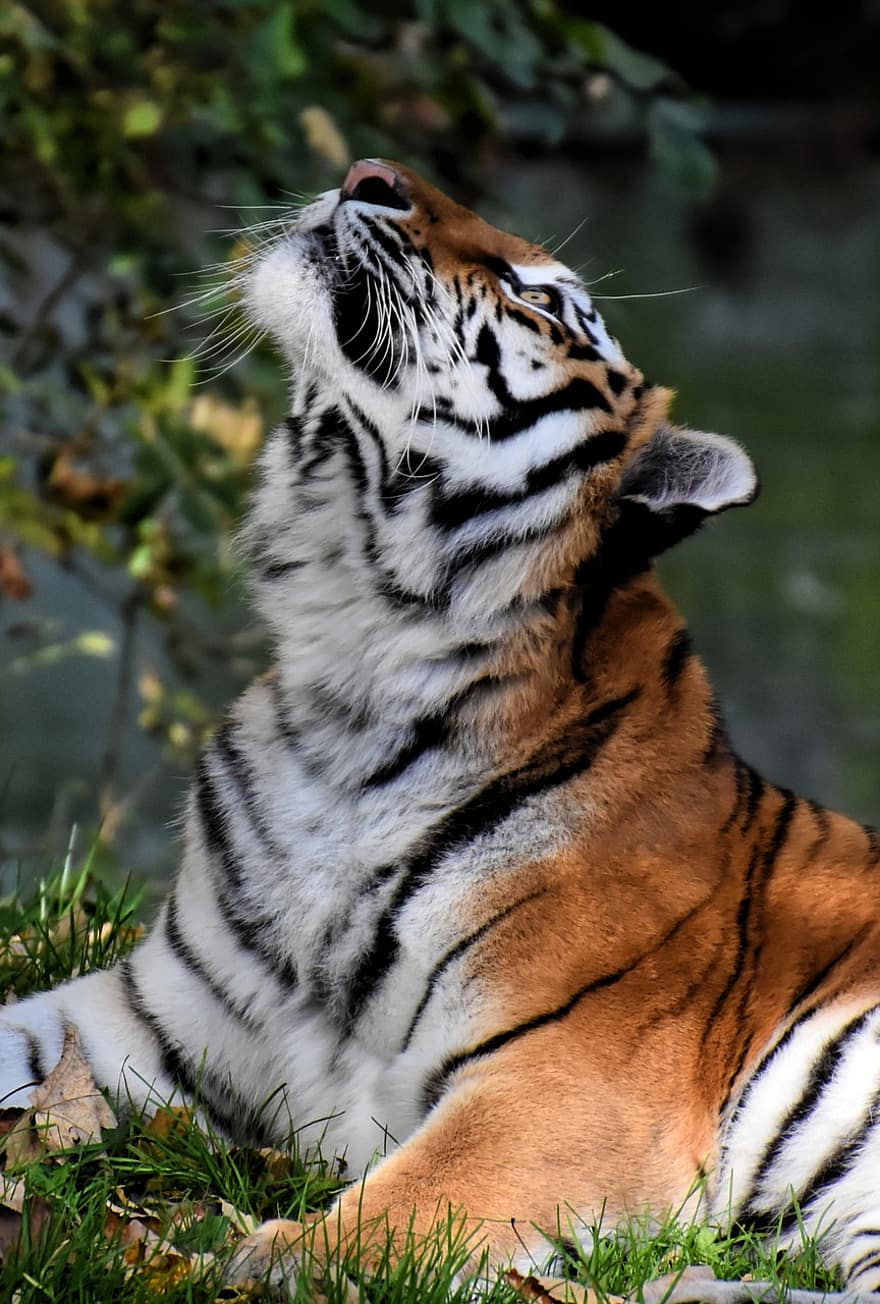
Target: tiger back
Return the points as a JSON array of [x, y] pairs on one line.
[[473, 887]]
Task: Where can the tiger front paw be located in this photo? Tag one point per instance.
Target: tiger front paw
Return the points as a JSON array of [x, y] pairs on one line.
[[272, 1255]]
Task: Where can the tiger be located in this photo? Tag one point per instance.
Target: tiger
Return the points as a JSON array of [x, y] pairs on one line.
[[474, 889]]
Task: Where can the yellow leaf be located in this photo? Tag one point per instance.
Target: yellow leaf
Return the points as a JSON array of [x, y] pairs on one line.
[[324, 137], [238, 431]]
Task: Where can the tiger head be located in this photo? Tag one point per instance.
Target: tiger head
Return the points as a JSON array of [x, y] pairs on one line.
[[476, 368]]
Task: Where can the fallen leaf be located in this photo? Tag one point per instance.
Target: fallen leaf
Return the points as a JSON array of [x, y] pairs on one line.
[[169, 1121], [22, 1145], [13, 580], [16, 1206], [10, 1231], [8, 1120], [69, 1110], [554, 1290]]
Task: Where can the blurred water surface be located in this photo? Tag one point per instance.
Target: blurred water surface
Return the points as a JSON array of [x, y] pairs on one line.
[[775, 341]]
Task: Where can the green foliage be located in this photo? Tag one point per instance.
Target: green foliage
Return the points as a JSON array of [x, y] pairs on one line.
[[125, 128]]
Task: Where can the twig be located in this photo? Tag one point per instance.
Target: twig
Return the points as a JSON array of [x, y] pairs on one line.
[[71, 274]]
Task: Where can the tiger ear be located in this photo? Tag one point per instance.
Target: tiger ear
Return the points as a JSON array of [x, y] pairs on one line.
[[689, 469], [677, 479]]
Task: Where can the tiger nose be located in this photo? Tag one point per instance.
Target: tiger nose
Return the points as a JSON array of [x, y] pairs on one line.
[[371, 182]]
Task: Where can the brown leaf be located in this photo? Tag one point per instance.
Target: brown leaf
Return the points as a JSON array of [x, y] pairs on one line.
[[554, 1290], [16, 1206], [13, 580], [169, 1121], [69, 1110], [22, 1145], [8, 1120], [93, 497]]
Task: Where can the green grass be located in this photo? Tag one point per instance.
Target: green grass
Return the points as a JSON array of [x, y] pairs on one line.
[[192, 1188]]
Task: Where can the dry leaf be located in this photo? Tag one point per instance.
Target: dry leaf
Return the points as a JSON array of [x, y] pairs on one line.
[[93, 497], [8, 1120], [169, 1121], [15, 1206], [554, 1290], [22, 1145], [69, 1110], [13, 580]]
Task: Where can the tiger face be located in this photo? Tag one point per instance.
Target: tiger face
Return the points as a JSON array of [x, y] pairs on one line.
[[432, 315], [487, 423]]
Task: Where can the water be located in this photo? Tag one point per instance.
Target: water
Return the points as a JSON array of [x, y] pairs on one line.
[[776, 346]]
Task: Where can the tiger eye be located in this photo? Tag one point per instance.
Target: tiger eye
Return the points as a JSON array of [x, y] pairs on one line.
[[543, 298]]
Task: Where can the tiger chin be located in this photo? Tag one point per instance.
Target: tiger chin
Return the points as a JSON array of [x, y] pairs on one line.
[[475, 867]]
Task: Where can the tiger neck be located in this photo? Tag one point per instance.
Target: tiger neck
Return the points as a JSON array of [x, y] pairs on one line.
[[392, 674]]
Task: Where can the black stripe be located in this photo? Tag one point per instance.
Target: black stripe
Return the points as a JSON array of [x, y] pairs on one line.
[[244, 1123], [388, 246], [756, 787], [625, 551], [249, 932], [814, 982], [449, 510], [517, 315], [188, 958], [34, 1057], [469, 557], [873, 836], [836, 1166], [455, 952], [294, 428], [676, 657], [436, 1083], [519, 414], [241, 773], [863, 1264], [428, 732], [578, 352], [870, 1258], [433, 731], [740, 776], [361, 329], [277, 570], [717, 744], [559, 762], [761, 865], [324, 443], [175, 1065], [820, 1076]]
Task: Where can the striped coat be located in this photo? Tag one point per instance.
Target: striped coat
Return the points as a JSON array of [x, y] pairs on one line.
[[473, 887]]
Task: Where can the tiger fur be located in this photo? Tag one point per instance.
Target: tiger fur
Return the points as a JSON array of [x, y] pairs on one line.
[[474, 889]]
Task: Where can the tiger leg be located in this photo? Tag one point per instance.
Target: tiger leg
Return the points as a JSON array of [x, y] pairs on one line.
[[523, 1154], [468, 1156]]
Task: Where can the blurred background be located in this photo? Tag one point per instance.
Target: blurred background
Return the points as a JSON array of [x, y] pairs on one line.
[[715, 170]]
